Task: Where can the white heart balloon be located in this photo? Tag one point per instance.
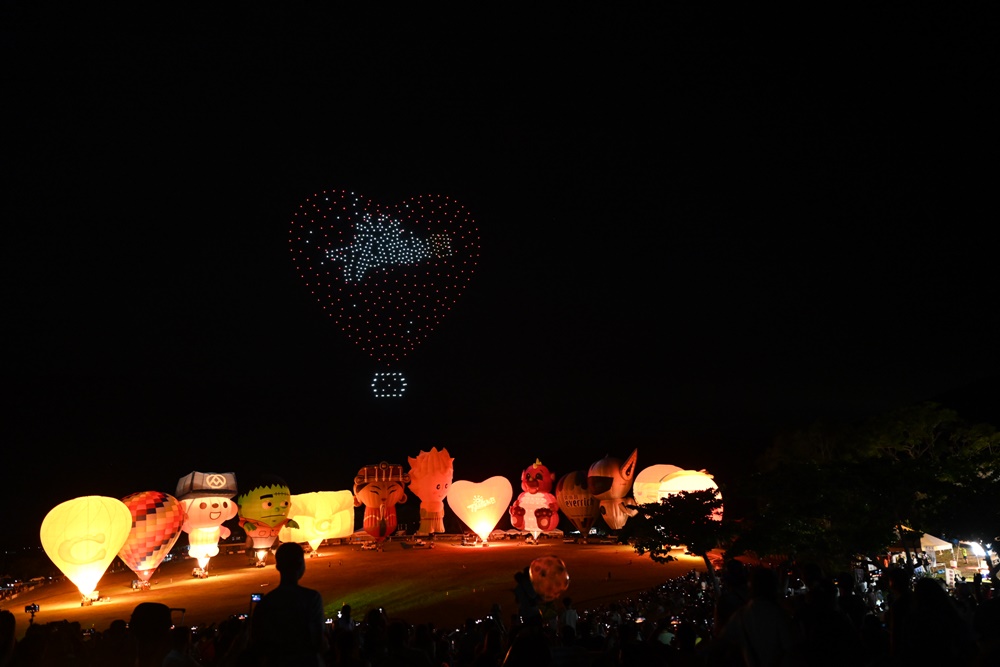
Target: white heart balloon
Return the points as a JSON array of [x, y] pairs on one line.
[[481, 504]]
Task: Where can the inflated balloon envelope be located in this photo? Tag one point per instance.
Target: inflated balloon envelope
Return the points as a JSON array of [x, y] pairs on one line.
[[549, 577], [691, 480], [319, 515], [481, 504], [576, 501], [646, 487], [156, 525], [82, 536]]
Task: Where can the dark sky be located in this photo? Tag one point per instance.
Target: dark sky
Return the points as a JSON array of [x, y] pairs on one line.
[[691, 238]]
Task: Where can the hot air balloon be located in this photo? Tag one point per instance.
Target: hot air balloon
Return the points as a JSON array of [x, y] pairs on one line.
[[263, 512], [481, 504], [536, 509], [380, 488], [576, 501], [387, 274], [646, 487], [690, 480], [156, 525], [320, 515], [610, 481], [430, 479], [207, 499], [82, 536]]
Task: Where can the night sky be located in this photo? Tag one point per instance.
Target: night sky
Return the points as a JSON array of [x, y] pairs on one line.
[[691, 239]]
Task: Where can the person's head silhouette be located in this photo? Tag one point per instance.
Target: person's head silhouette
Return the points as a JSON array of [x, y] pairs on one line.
[[290, 559], [150, 626]]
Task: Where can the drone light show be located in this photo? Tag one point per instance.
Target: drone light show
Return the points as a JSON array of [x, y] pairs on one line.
[[387, 275]]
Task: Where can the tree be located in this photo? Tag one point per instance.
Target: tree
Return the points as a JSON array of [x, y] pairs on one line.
[[687, 518], [832, 494]]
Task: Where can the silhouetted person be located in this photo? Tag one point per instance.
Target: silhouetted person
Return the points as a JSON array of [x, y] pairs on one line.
[[287, 627], [935, 632], [898, 603], [761, 630], [150, 626], [8, 637], [344, 620], [182, 648], [735, 592], [399, 650]]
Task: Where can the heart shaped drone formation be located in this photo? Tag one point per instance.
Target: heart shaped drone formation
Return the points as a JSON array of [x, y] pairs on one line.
[[387, 275]]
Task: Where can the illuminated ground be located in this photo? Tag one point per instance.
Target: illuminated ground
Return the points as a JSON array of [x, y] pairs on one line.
[[445, 584]]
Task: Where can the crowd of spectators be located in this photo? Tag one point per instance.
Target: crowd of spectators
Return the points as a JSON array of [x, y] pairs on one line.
[[790, 616]]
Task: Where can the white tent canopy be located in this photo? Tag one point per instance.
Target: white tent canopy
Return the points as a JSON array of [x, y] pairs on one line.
[[930, 543]]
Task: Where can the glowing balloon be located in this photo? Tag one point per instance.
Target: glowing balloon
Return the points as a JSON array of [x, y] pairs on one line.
[[263, 512], [549, 577], [646, 487], [481, 504], [576, 501], [156, 526], [380, 488], [536, 509], [430, 479], [387, 274], [82, 536], [320, 515], [207, 502], [610, 481], [691, 480]]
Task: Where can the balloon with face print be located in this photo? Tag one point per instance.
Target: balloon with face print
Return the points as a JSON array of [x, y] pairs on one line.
[[380, 488], [263, 512], [207, 499], [536, 510]]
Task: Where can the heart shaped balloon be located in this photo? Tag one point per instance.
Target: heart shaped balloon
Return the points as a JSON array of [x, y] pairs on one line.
[[481, 504], [387, 275]]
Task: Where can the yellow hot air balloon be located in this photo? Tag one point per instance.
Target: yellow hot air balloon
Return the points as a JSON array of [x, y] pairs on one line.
[[82, 536], [319, 515]]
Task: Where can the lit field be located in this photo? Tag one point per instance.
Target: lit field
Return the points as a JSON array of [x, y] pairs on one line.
[[444, 585]]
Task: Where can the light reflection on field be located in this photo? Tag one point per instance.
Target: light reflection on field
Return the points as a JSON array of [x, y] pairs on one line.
[[445, 584]]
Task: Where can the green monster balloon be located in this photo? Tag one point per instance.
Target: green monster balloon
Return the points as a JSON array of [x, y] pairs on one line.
[[263, 512]]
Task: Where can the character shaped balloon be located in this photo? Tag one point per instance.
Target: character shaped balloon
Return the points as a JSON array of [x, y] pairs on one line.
[[380, 488], [610, 481], [387, 275], [207, 499], [576, 502], [536, 509], [430, 478], [82, 536], [263, 512], [156, 526], [319, 515], [481, 504]]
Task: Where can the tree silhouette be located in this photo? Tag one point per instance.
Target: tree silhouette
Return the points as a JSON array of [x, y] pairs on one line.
[[690, 519]]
